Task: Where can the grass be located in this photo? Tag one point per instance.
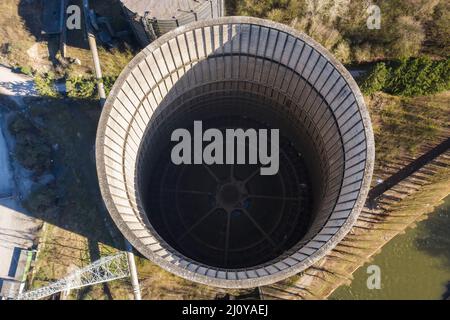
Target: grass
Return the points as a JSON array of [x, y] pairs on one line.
[[14, 37], [45, 85], [60, 252], [77, 231], [157, 283], [112, 61], [70, 126], [19, 47], [401, 124], [31, 150]]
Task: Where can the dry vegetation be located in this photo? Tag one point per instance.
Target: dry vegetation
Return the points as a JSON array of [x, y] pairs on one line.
[[19, 46], [63, 252], [23, 46], [401, 125], [159, 284], [408, 27]]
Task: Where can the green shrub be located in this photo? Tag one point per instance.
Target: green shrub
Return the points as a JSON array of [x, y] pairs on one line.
[[19, 124], [409, 77], [31, 149], [81, 87], [33, 153], [419, 76], [41, 199], [26, 70], [108, 82], [45, 84], [375, 80], [86, 87]]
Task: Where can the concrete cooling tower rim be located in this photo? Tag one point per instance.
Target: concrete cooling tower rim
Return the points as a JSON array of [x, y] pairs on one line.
[[116, 165]]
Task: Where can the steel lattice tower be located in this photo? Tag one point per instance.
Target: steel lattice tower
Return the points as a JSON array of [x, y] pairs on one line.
[[103, 270]]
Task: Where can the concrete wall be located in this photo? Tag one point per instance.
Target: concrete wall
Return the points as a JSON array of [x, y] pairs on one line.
[[148, 28], [238, 53]]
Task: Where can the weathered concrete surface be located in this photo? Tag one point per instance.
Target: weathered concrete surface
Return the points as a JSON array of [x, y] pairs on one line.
[[238, 53], [151, 19], [17, 233], [162, 9]]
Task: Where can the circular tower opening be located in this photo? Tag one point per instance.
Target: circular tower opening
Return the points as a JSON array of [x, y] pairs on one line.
[[226, 223], [229, 215]]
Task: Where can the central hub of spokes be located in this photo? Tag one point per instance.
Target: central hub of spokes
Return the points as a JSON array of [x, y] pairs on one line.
[[230, 195]]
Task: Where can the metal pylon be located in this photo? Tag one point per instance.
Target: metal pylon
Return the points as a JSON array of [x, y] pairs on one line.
[[103, 270]]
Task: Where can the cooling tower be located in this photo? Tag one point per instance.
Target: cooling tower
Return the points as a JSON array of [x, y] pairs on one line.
[[227, 225], [150, 19]]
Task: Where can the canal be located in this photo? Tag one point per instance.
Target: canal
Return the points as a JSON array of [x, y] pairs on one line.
[[414, 265]]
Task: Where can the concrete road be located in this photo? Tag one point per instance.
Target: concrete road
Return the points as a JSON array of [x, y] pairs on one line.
[[16, 85]]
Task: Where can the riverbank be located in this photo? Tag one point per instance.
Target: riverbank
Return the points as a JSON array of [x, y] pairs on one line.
[[374, 228], [404, 129], [414, 265]]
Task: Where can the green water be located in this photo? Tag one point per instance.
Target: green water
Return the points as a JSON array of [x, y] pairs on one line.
[[414, 265]]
